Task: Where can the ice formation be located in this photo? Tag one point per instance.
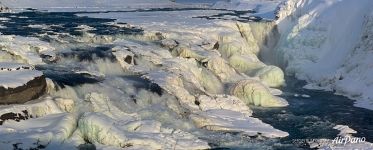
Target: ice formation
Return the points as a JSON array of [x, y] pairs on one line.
[[317, 45], [271, 76], [99, 128], [36, 132], [254, 92], [27, 48], [216, 113]]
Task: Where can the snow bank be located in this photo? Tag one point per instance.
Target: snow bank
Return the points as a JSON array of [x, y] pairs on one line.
[[13, 75], [40, 108], [328, 44], [20, 83], [226, 120], [37, 132], [99, 128]]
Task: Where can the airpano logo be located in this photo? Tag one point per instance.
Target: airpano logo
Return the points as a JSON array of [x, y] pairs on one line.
[[336, 143], [348, 140]]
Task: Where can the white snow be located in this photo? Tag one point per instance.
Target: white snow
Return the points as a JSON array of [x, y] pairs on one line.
[[42, 107], [13, 79], [28, 49], [226, 120], [328, 44], [13, 75], [30, 133]]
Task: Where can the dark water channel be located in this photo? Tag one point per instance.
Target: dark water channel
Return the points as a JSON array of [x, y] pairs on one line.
[[314, 117]]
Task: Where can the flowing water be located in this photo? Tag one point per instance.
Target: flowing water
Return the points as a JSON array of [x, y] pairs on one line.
[[314, 116]]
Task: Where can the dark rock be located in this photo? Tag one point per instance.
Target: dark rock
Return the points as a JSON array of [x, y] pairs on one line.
[[216, 46], [128, 59], [31, 90], [14, 116]]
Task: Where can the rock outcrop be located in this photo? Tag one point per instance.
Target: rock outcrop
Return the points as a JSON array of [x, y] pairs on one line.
[[20, 83]]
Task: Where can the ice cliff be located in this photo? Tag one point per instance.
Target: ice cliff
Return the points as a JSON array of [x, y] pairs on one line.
[[328, 44]]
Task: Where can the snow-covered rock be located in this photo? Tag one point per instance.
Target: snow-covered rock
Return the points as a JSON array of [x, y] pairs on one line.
[[39, 132], [245, 64], [206, 111], [149, 56], [99, 128], [186, 52], [65, 104], [253, 92], [226, 102], [19, 83], [228, 49], [125, 58], [169, 43], [101, 103], [4, 8], [198, 78], [232, 121], [40, 108], [173, 84], [223, 70], [29, 49]]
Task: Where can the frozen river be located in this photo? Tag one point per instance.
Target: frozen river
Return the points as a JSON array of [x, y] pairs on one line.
[[87, 64]]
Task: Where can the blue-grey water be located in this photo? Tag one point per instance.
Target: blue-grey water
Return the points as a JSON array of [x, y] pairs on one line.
[[315, 117]]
